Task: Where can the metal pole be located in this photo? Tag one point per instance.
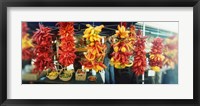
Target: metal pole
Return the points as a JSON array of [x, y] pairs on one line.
[[143, 33]]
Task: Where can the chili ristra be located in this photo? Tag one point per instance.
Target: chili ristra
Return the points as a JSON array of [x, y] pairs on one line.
[[139, 64], [122, 49], [67, 47], [95, 49], [171, 51], [156, 56], [43, 52]]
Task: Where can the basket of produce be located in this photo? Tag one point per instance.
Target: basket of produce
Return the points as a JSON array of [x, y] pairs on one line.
[[52, 75], [66, 75], [80, 75]]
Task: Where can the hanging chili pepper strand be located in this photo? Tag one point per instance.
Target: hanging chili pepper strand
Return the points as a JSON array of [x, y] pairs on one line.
[[171, 51], [27, 47], [95, 49], [139, 64], [43, 52], [156, 57], [122, 49], [66, 49]]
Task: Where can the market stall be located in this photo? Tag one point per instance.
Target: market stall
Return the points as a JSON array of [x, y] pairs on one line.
[[99, 52]]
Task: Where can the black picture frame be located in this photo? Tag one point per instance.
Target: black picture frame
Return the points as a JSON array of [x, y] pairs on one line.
[[100, 3]]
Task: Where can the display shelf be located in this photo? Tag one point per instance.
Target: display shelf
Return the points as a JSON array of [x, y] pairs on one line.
[[72, 81]]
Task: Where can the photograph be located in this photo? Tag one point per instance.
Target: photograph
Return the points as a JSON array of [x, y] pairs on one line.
[[107, 52], [99, 52]]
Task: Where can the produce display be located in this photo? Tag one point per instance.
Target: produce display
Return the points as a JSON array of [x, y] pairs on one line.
[[43, 53], [156, 56], [67, 46], [122, 49], [76, 51], [95, 49], [139, 65], [171, 51], [27, 46]]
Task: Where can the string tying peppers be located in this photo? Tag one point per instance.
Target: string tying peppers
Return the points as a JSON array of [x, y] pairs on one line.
[[67, 47], [43, 53]]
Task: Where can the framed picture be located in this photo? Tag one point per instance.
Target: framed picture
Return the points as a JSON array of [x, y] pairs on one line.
[[122, 52]]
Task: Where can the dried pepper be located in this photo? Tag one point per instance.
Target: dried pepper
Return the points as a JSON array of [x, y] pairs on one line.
[[43, 52], [156, 56], [171, 51], [95, 49], [139, 65], [27, 47], [122, 49], [67, 46]]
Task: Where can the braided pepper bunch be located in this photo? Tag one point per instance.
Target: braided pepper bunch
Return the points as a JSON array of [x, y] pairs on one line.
[[66, 49], [139, 65], [122, 49], [171, 51], [27, 46], [156, 56], [95, 49], [43, 52]]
